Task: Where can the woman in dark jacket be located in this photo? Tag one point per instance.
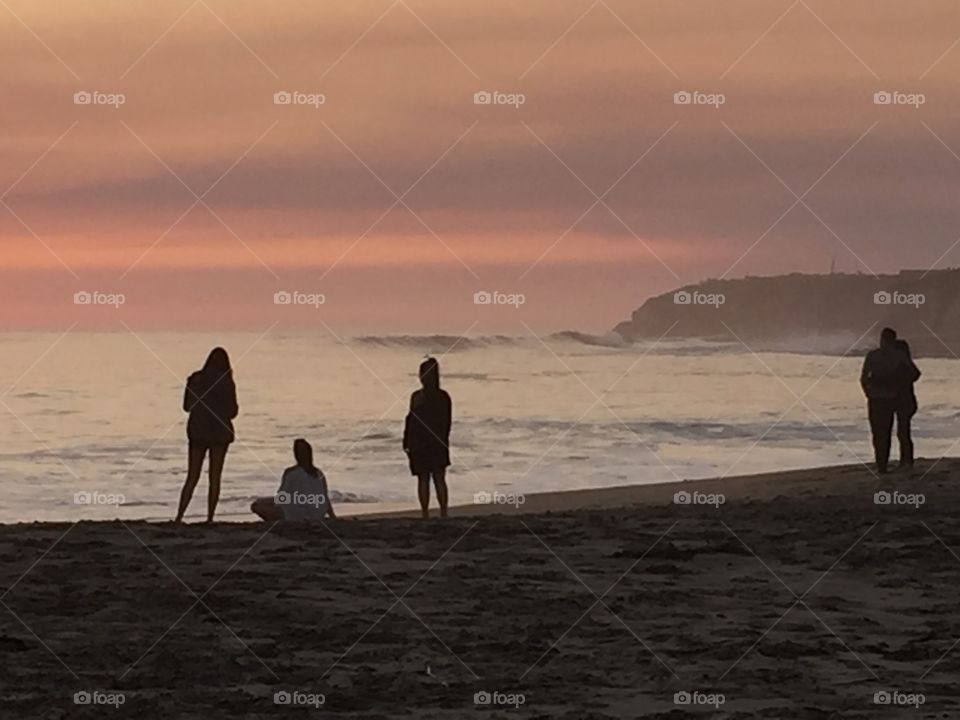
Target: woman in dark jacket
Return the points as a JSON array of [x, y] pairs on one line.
[[211, 399], [426, 436], [908, 374]]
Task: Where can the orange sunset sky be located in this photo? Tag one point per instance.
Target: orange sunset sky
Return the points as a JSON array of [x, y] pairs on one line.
[[399, 197]]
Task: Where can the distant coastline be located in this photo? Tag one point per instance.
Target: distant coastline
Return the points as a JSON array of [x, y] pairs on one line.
[[834, 313]]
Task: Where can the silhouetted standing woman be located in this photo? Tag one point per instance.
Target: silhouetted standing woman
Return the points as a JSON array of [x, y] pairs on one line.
[[907, 374], [426, 436], [211, 399]]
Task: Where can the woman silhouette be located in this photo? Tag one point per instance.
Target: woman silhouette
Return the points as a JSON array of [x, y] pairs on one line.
[[426, 436], [211, 399], [303, 495], [906, 407]]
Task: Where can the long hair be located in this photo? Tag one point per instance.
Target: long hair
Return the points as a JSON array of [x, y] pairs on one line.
[[303, 452], [904, 346], [218, 363]]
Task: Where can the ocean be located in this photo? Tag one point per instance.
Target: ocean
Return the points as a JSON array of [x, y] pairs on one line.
[[92, 426]]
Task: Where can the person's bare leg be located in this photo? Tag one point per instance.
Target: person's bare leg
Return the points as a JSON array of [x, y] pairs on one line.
[[195, 457], [423, 491], [267, 509], [218, 454], [440, 482]]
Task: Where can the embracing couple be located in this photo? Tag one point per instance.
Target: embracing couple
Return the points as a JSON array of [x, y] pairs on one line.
[[887, 379]]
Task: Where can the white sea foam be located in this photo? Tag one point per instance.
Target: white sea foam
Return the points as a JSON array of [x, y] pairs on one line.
[[583, 413]]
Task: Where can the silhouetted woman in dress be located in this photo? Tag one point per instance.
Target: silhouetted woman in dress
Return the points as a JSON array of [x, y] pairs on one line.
[[211, 399], [426, 436]]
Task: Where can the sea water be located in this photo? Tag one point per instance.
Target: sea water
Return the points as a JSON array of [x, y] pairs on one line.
[[91, 424]]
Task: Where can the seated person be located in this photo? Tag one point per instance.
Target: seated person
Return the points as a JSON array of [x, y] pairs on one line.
[[303, 495]]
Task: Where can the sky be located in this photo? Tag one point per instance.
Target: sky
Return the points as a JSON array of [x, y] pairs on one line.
[[187, 187]]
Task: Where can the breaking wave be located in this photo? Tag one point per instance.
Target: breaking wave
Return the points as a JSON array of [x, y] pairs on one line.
[[434, 343], [452, 343]]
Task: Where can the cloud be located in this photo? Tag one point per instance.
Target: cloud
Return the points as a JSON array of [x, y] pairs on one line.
[[300, 185]]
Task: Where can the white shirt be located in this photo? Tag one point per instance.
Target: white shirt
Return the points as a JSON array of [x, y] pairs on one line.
[[303, 496]]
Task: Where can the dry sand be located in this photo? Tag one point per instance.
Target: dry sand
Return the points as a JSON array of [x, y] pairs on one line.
[[799, 597]]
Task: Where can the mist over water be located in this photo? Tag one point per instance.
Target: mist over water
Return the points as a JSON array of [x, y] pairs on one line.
[[99, 415]]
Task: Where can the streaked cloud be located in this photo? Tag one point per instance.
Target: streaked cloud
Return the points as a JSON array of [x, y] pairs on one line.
[[693, 191]]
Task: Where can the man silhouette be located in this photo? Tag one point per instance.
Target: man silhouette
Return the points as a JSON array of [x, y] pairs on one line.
[[881, 380]]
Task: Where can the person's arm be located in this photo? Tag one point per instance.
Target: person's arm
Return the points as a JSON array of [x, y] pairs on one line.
[[407, 423], [284, 484], [234, 407], [447, 420], [914, 372], [865, 376], [189, 396], [326, 496]]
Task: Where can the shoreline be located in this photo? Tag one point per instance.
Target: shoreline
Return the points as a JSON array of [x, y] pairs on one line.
[[821, 481]]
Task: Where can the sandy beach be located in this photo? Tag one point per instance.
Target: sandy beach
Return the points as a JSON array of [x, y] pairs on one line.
[[791, 596]]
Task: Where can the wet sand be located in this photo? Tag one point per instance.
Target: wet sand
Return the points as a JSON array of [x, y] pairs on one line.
[[797, 597]]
